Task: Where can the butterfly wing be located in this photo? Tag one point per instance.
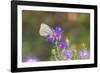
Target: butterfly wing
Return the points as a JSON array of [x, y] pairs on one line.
[[44, 30]]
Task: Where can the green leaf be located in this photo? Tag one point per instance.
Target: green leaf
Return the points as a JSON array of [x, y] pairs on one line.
[[53, 51]]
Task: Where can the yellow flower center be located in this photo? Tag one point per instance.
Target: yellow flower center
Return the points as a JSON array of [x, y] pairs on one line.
[[55, 34]]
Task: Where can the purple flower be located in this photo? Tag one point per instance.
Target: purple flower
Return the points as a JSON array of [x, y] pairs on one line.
[[83, 54], [56, 34], [68, 54], [63, 44], [31, 59]]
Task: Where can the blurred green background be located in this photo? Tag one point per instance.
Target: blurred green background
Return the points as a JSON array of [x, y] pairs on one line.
[[76, 27]]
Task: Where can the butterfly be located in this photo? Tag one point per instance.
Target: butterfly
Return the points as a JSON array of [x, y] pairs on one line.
[[45, 30]]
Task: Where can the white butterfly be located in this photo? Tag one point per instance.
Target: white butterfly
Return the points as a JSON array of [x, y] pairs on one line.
[[45, 30]]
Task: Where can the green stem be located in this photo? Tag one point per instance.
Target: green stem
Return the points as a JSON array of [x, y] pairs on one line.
[[57, 47], [55, 57]]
